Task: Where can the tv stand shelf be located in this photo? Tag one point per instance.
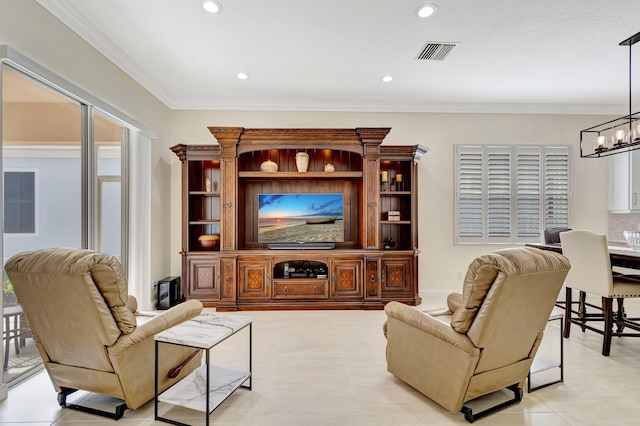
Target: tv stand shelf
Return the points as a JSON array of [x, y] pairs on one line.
[[223, 186]]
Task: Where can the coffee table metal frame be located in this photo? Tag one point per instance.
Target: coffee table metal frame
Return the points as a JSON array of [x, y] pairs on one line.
[[209, 370]]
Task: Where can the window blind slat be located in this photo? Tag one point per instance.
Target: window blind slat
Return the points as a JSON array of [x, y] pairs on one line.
[[470, 198], [556, 186], [498, 172], [527, 200]]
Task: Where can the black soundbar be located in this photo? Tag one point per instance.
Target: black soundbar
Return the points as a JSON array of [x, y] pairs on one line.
[[301, 246]]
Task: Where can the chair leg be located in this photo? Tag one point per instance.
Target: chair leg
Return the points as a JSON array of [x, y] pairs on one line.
[[620, 315], [567, 312], [582, 310], [607, 311], [7, 343]]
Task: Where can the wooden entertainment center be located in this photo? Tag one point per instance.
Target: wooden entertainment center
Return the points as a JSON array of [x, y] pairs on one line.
[[376, 262]]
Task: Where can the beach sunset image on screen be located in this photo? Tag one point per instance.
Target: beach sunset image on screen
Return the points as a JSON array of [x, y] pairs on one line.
[[304, 217]]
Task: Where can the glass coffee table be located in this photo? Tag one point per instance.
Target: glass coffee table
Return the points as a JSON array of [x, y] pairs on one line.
[[209, 385]]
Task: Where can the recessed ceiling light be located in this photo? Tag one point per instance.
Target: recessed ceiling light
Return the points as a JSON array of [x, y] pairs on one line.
[[212, 6], [387, 78], [242, 76], [426, 10]]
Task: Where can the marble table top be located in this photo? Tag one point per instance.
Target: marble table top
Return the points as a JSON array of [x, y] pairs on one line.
[[204, 331]]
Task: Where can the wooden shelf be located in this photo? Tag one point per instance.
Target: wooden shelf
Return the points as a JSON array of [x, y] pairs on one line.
[[205, 193], [204, 222], [394, 193], [395, 222], [299, 175]]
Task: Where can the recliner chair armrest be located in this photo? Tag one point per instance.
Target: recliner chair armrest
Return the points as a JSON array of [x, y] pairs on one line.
[[454, 301], [431, 325], [161, 322]]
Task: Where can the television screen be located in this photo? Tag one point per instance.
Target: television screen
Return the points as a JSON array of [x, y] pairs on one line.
[[300, 218]]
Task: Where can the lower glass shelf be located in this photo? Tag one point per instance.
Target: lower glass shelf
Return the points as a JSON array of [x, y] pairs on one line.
[[190, 392], [542, 364]]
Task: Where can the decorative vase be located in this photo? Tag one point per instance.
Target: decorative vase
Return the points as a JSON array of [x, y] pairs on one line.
[[209, 241], [329, 167], [268, 166], [302, 161]]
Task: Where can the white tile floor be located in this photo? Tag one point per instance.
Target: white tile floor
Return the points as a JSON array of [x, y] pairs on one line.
[[328, 368]]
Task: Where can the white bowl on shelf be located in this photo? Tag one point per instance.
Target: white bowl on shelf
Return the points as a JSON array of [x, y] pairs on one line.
[[633, 239]]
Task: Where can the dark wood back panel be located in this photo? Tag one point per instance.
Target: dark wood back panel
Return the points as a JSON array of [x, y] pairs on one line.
[[248, 205], [343, 161]]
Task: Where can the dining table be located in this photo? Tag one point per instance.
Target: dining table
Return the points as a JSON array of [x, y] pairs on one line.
[[621, 256]]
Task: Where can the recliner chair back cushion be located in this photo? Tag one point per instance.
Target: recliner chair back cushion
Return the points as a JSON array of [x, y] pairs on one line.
[[111, 280], [58, 287], [480, 276], [517, 306]]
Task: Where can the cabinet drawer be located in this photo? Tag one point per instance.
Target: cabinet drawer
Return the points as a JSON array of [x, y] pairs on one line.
[[307, 289]]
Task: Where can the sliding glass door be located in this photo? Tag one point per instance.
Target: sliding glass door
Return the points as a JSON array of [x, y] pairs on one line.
[[62, 170], [108, 141]]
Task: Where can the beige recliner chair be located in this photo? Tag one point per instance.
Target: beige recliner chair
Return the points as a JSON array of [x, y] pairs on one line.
[[487, 338], [87, 328]]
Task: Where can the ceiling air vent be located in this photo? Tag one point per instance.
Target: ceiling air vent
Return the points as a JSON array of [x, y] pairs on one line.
[[436, 51]]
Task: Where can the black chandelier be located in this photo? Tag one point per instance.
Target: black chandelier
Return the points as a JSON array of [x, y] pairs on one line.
[[615, 136]]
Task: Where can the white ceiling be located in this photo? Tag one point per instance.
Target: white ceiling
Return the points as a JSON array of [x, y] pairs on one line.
[[555, 56]]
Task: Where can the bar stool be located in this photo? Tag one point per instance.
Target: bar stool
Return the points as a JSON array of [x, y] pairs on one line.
[[541, 364]]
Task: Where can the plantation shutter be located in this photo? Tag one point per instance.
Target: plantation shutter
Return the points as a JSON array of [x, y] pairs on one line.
[[510, 194], [556, 187], [470, 192], [527, 203], [498, 199]]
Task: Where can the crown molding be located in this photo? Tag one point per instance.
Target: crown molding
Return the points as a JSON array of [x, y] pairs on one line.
[[92, 35]]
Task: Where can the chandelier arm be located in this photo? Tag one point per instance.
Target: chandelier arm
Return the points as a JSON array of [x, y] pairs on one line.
[[630, 110]]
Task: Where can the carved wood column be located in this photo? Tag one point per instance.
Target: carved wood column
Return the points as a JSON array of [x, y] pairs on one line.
[[181, 151], [228, 138], [371, 139]]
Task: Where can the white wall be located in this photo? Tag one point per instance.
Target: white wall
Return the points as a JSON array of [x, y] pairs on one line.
[[22, 23], [33, 32]]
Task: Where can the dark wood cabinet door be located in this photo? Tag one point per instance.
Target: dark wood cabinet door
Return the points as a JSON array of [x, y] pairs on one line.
[[204, 278], [254, 279], [346, 278], [397, 276]]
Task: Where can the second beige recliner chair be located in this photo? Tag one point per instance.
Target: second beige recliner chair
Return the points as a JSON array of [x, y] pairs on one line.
[[487, 337]]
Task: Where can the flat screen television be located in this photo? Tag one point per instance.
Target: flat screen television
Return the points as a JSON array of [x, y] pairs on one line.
[[300, 218]]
